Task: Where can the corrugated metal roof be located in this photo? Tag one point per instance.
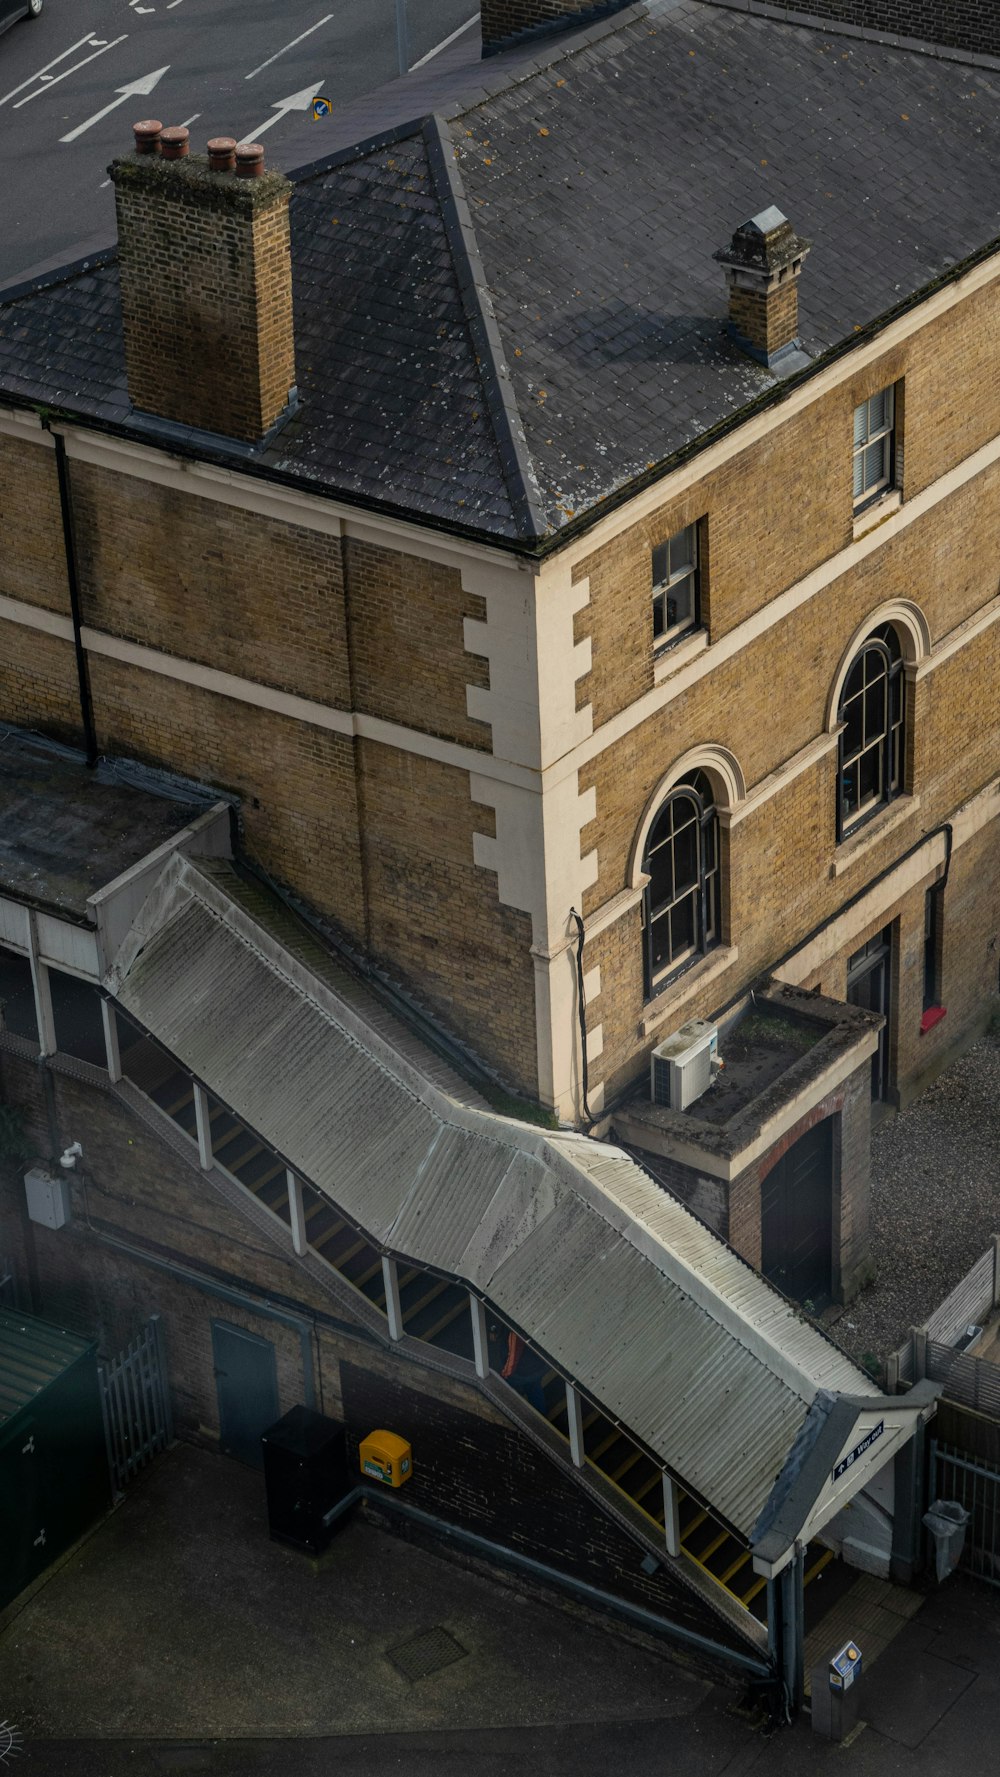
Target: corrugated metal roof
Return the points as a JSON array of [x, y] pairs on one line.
[[33, 1354], [653, 1316]]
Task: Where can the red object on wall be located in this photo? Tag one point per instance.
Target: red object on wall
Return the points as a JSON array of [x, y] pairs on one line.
[[932, 1016]]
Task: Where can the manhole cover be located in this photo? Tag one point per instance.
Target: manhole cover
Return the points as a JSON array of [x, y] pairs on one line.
[[426, 1653]]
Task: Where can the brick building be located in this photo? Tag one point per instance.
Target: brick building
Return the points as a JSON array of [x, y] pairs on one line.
[[561, 529]]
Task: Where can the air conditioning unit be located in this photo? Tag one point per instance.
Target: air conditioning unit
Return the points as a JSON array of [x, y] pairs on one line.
[[681, 1067]]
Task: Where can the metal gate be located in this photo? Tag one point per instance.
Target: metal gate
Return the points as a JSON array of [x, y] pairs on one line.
[[976, 1486], [135, 1397]]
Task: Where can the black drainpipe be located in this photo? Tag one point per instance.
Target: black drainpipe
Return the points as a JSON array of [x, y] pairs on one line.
[[73, 580]]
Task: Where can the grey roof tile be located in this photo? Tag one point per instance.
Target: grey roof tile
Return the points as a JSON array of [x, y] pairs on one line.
[[503, 337]]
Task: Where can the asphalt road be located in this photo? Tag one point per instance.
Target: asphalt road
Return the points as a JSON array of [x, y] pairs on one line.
[[73, 81]]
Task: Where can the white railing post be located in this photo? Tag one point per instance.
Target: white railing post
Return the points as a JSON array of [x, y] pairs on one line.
[[671, 1518], [393, 1311], [111, 1048], [480, 1336], [204, 1124], [296, 1212], [574, 1418], [44, 1016]]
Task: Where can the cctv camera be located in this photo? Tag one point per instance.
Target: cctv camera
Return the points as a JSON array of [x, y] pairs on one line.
[[71, 1156]]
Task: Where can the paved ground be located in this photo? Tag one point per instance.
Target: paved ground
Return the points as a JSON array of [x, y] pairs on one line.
[[178, 1639], [935, 1201]]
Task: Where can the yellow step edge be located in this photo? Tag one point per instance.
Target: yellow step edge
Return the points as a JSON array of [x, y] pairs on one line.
[[445, 1321], [818, 1566], [741, 1561], [715, 1545]]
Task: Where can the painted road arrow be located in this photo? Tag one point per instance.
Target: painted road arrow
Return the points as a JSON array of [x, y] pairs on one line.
[[298, 102], [132, 91]]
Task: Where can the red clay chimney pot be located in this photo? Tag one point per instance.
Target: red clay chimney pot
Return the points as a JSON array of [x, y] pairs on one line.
[[249, 160], [174, 144], [222, 154], [147, 135]]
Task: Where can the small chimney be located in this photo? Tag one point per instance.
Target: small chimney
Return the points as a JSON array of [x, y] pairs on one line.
[[206, 283], [763, 262]]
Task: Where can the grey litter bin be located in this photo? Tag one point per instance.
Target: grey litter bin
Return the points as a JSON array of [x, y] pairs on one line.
[[947, 1522]]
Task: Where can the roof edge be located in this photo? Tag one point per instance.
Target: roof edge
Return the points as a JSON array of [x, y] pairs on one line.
[[777, 14], [501, 402]]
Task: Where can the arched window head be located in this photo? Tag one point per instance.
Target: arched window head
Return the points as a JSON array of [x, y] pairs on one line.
[[680, 906], [873, 712]]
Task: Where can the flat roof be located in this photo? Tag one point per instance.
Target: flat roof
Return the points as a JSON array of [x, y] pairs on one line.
[[68, 829]]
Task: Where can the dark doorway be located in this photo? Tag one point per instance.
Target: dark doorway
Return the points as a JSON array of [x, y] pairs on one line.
[[246, 1381], [796, 1218], [869, 985]]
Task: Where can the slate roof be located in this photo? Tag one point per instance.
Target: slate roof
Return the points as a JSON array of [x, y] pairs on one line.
[[507, 314]]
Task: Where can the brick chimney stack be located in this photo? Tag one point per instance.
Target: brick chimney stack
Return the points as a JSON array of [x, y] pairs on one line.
[[206, 283], [763, 262]]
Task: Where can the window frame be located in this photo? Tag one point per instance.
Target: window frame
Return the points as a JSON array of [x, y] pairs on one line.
[[887, 433], [690, 570], [891, 742], [704, 891]]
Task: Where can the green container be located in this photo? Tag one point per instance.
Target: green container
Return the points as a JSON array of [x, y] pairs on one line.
[[54, 1477]]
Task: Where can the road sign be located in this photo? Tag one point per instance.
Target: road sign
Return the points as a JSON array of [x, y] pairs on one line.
[[321, 107]]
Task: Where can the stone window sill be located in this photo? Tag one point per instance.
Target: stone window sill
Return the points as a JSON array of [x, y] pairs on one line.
[[877, 514], [668, 1003], [874, 830], [670, 659]]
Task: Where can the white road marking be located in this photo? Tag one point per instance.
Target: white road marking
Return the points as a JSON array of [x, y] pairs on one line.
[[295, 40], [188, 120], [438, 47], [301, 101], [144, 85], [67, 71], [43, 73]]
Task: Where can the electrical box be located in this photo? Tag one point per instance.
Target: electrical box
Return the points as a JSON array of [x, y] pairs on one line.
[[845, 1667], [681, 1067], [48, 1198], [386, 1457], [307, 1477]]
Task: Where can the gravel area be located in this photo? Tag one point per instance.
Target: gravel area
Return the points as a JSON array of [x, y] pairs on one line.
[[935, 1202]]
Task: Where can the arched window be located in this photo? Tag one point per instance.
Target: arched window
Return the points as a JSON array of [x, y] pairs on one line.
[[872, 710], [681, 900]]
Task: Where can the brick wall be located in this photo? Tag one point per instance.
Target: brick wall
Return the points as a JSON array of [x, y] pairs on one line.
[[506, 19], [733, 1209], [783, 506], [961, 24], [188, 576], [38, 683], [32, 561], [206, 293], [483, 1475], [408, 645], [768, 320], [296, 783], [434, 916]]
